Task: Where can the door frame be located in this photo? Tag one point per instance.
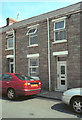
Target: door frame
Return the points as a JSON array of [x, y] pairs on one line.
[[58, 79], [11, 63]]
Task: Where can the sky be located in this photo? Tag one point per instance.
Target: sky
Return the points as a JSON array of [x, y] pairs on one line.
[[27, 9]]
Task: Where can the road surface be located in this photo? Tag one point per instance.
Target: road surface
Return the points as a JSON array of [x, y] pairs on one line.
[[35, 107]]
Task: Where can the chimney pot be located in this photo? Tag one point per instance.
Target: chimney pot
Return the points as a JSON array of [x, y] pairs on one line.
[[10, 21]]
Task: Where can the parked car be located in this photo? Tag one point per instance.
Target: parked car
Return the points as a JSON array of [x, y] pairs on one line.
[[73, 97], [35, 77], [18, 84]]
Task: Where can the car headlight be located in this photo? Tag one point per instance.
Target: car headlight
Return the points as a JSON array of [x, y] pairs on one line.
[[64, 94]]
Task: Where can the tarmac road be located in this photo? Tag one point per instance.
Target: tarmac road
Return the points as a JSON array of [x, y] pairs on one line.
[[35, 107]]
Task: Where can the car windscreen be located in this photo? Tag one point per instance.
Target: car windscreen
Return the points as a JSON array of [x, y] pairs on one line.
[[23, 77]]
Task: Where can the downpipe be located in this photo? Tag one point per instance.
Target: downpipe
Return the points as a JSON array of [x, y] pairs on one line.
[[49, 75]]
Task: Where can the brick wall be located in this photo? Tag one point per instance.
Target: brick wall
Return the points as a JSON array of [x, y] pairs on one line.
[[73, 61], [0, 53], [22, 41]]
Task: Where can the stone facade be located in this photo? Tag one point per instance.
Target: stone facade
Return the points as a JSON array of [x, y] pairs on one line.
[[71, 45]]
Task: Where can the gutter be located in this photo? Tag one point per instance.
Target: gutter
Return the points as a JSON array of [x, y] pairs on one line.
[[49, 55], [14, 49]]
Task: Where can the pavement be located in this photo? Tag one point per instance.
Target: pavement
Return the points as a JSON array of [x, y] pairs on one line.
[[51, 94]]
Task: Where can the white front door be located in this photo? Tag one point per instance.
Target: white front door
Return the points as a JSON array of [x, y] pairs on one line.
[[61, 75]]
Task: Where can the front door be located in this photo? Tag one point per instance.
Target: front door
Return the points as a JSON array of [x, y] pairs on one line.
[[61, 75], [11, 67]]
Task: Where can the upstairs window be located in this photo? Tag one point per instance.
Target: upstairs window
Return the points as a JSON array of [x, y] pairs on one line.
[[59, 30], [9, 38], [59, 25], [10, 43], [33, 40]]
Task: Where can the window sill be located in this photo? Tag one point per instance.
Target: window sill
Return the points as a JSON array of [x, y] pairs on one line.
[[9, 49], [62, 41], [35, 45]]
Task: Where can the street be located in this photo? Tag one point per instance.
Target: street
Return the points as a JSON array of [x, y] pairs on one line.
[[35, 107]]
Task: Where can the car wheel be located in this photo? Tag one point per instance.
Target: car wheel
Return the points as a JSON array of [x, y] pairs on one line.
[[11, 94], [77, 105]]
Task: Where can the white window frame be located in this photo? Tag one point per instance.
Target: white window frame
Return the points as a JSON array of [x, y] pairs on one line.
[[8, 38], [59, 29], [60, 21], [8, 43], [32, 36], [34, 31], [30, 67]]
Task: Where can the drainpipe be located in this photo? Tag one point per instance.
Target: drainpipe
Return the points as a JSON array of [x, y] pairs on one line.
[[49, 55], [14, 49]]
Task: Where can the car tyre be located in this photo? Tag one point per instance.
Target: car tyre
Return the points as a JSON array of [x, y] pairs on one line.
[[77, 105], [11, 94]]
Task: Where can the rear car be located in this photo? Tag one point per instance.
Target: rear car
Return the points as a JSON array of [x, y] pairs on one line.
[[15, 84], [73, 98]]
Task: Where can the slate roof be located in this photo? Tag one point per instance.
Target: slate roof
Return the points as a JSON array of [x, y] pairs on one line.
[[62, 11]]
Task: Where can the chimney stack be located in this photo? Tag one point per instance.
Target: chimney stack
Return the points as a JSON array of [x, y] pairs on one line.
[[10, 21]]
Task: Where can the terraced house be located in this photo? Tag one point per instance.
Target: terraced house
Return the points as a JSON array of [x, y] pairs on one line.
[[47, 45]]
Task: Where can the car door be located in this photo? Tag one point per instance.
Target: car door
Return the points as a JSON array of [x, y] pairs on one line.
[[5, 82]]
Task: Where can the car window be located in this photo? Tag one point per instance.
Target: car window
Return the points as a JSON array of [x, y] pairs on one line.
[[23, 77], [0, 77], [6, 77]]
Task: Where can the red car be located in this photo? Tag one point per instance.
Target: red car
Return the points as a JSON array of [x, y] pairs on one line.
[[18, 84]]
